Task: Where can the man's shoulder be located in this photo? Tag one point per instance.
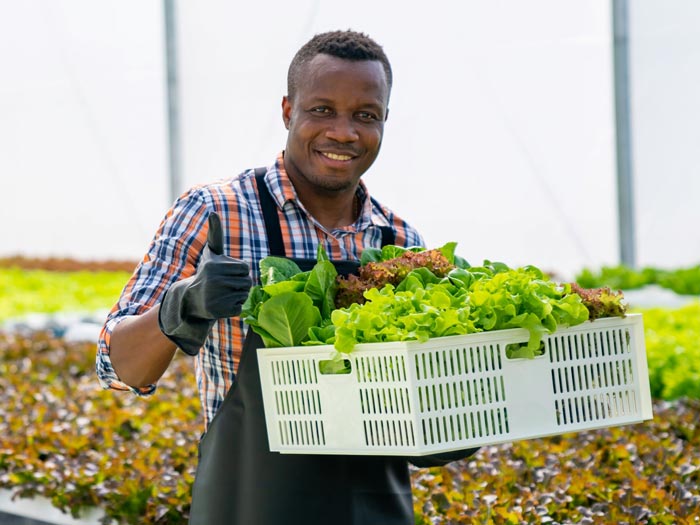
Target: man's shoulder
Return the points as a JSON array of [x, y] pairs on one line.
[[405, 232], [234, 181], [379, 209], [240, 187]]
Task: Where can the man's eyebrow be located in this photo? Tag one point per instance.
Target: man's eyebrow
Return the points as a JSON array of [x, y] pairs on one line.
[[323, 100], [320, 100]]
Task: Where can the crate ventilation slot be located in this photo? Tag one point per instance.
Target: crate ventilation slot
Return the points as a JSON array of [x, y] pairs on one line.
[[297, 403], [592, 376]]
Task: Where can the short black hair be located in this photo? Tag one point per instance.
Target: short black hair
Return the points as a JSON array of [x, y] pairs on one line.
[[350, 45]]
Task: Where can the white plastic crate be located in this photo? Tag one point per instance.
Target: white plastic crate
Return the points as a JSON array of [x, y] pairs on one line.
[[455, 392]]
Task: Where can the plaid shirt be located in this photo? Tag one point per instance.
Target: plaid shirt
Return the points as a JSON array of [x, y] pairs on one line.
[[177, 245]]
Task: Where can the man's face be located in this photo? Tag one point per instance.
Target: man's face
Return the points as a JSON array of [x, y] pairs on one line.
[[335, 123]]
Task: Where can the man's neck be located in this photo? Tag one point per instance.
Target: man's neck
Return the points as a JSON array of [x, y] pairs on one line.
[[332, 211]]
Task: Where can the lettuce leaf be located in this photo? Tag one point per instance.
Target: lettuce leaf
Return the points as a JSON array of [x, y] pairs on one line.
[[321, 284], [276, 269], [293, 307], [468, 300], [285, 319]]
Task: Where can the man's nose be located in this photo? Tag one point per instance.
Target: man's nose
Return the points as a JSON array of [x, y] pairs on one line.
[[342, 129]]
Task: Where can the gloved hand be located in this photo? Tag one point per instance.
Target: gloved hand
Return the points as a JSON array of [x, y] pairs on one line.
[[218, 290]]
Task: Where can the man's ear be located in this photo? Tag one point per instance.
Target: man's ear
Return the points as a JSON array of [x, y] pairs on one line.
[[286, 111]]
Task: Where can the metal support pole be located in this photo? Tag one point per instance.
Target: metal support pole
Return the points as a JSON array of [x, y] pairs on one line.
[[623, 128], [174, 168]]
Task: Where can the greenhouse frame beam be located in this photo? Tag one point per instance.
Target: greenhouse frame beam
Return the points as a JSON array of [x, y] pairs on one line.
[[175, 183], [623, 133]]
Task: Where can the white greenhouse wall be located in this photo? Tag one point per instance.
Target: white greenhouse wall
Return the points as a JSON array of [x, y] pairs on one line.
[[500, 137], [82, 127], [665, 72], [500, 131]]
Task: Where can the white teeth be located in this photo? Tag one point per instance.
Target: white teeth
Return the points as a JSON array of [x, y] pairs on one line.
[[334, 156]]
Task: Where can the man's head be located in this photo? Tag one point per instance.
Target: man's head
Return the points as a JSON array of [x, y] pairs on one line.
[[349, 45], [335, 111]]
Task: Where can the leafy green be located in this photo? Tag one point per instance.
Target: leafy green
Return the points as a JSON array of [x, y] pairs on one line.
[[276, 269], [371, 255], [615, 277], [285, 319], [335, 366], [601, 302], [412, 315], [490, 297], [448, 250], [289, 302], [392, 271], [387, 253], [683, 281], [253, 303], [284, 287], [600, 477], [673, 351], [461, 262], [65, 439], [321, 335], [28, 291], [392, 252], [321, 286], [423, 304], [135, 458]]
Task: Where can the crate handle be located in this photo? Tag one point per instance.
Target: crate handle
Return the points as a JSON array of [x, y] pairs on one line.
[[519, 344], [334, 367]]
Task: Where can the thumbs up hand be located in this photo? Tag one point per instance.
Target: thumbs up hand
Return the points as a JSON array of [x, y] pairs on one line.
[[217, 290]]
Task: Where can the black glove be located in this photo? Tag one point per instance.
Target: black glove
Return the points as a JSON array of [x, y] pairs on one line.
[[218, 290]]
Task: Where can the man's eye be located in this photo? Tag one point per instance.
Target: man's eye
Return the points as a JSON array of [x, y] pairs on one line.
[[321, 110], [366, 115]]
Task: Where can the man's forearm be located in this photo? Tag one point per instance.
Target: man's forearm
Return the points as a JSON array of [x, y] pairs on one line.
[[139, 351]]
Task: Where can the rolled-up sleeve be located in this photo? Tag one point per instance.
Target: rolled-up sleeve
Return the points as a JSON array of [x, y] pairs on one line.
[[171, 256]]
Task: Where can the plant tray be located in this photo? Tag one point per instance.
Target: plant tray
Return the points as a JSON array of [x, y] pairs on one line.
[[451, 393]]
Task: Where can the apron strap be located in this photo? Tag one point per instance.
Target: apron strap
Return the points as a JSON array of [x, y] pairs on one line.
[[272, 220], [388, 233]]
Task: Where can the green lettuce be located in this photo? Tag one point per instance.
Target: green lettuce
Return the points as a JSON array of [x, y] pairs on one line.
[[292, 308], [490, 297], [289, 303], [285, 319]]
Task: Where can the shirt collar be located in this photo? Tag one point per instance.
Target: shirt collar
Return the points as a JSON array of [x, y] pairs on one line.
[[282, 188]]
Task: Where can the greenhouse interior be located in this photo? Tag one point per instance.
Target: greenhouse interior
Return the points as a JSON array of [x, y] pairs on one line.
[[547, 327]]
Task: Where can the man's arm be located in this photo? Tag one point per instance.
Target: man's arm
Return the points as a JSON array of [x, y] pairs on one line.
[[142, 346], [139, 351]]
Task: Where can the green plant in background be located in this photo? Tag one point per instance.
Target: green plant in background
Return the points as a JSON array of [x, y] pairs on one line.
[[673, 351], [625, 474], [684, 281], [63, 438], [408, 295], [30, 291], [672, 336], [616, 277]]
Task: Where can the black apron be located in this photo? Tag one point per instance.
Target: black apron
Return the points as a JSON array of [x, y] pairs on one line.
[[240, 482]]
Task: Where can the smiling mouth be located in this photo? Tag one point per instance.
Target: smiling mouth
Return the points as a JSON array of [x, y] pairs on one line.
[[336, 156]]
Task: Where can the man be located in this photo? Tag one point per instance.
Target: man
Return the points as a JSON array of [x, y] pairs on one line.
[[188, 291]]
